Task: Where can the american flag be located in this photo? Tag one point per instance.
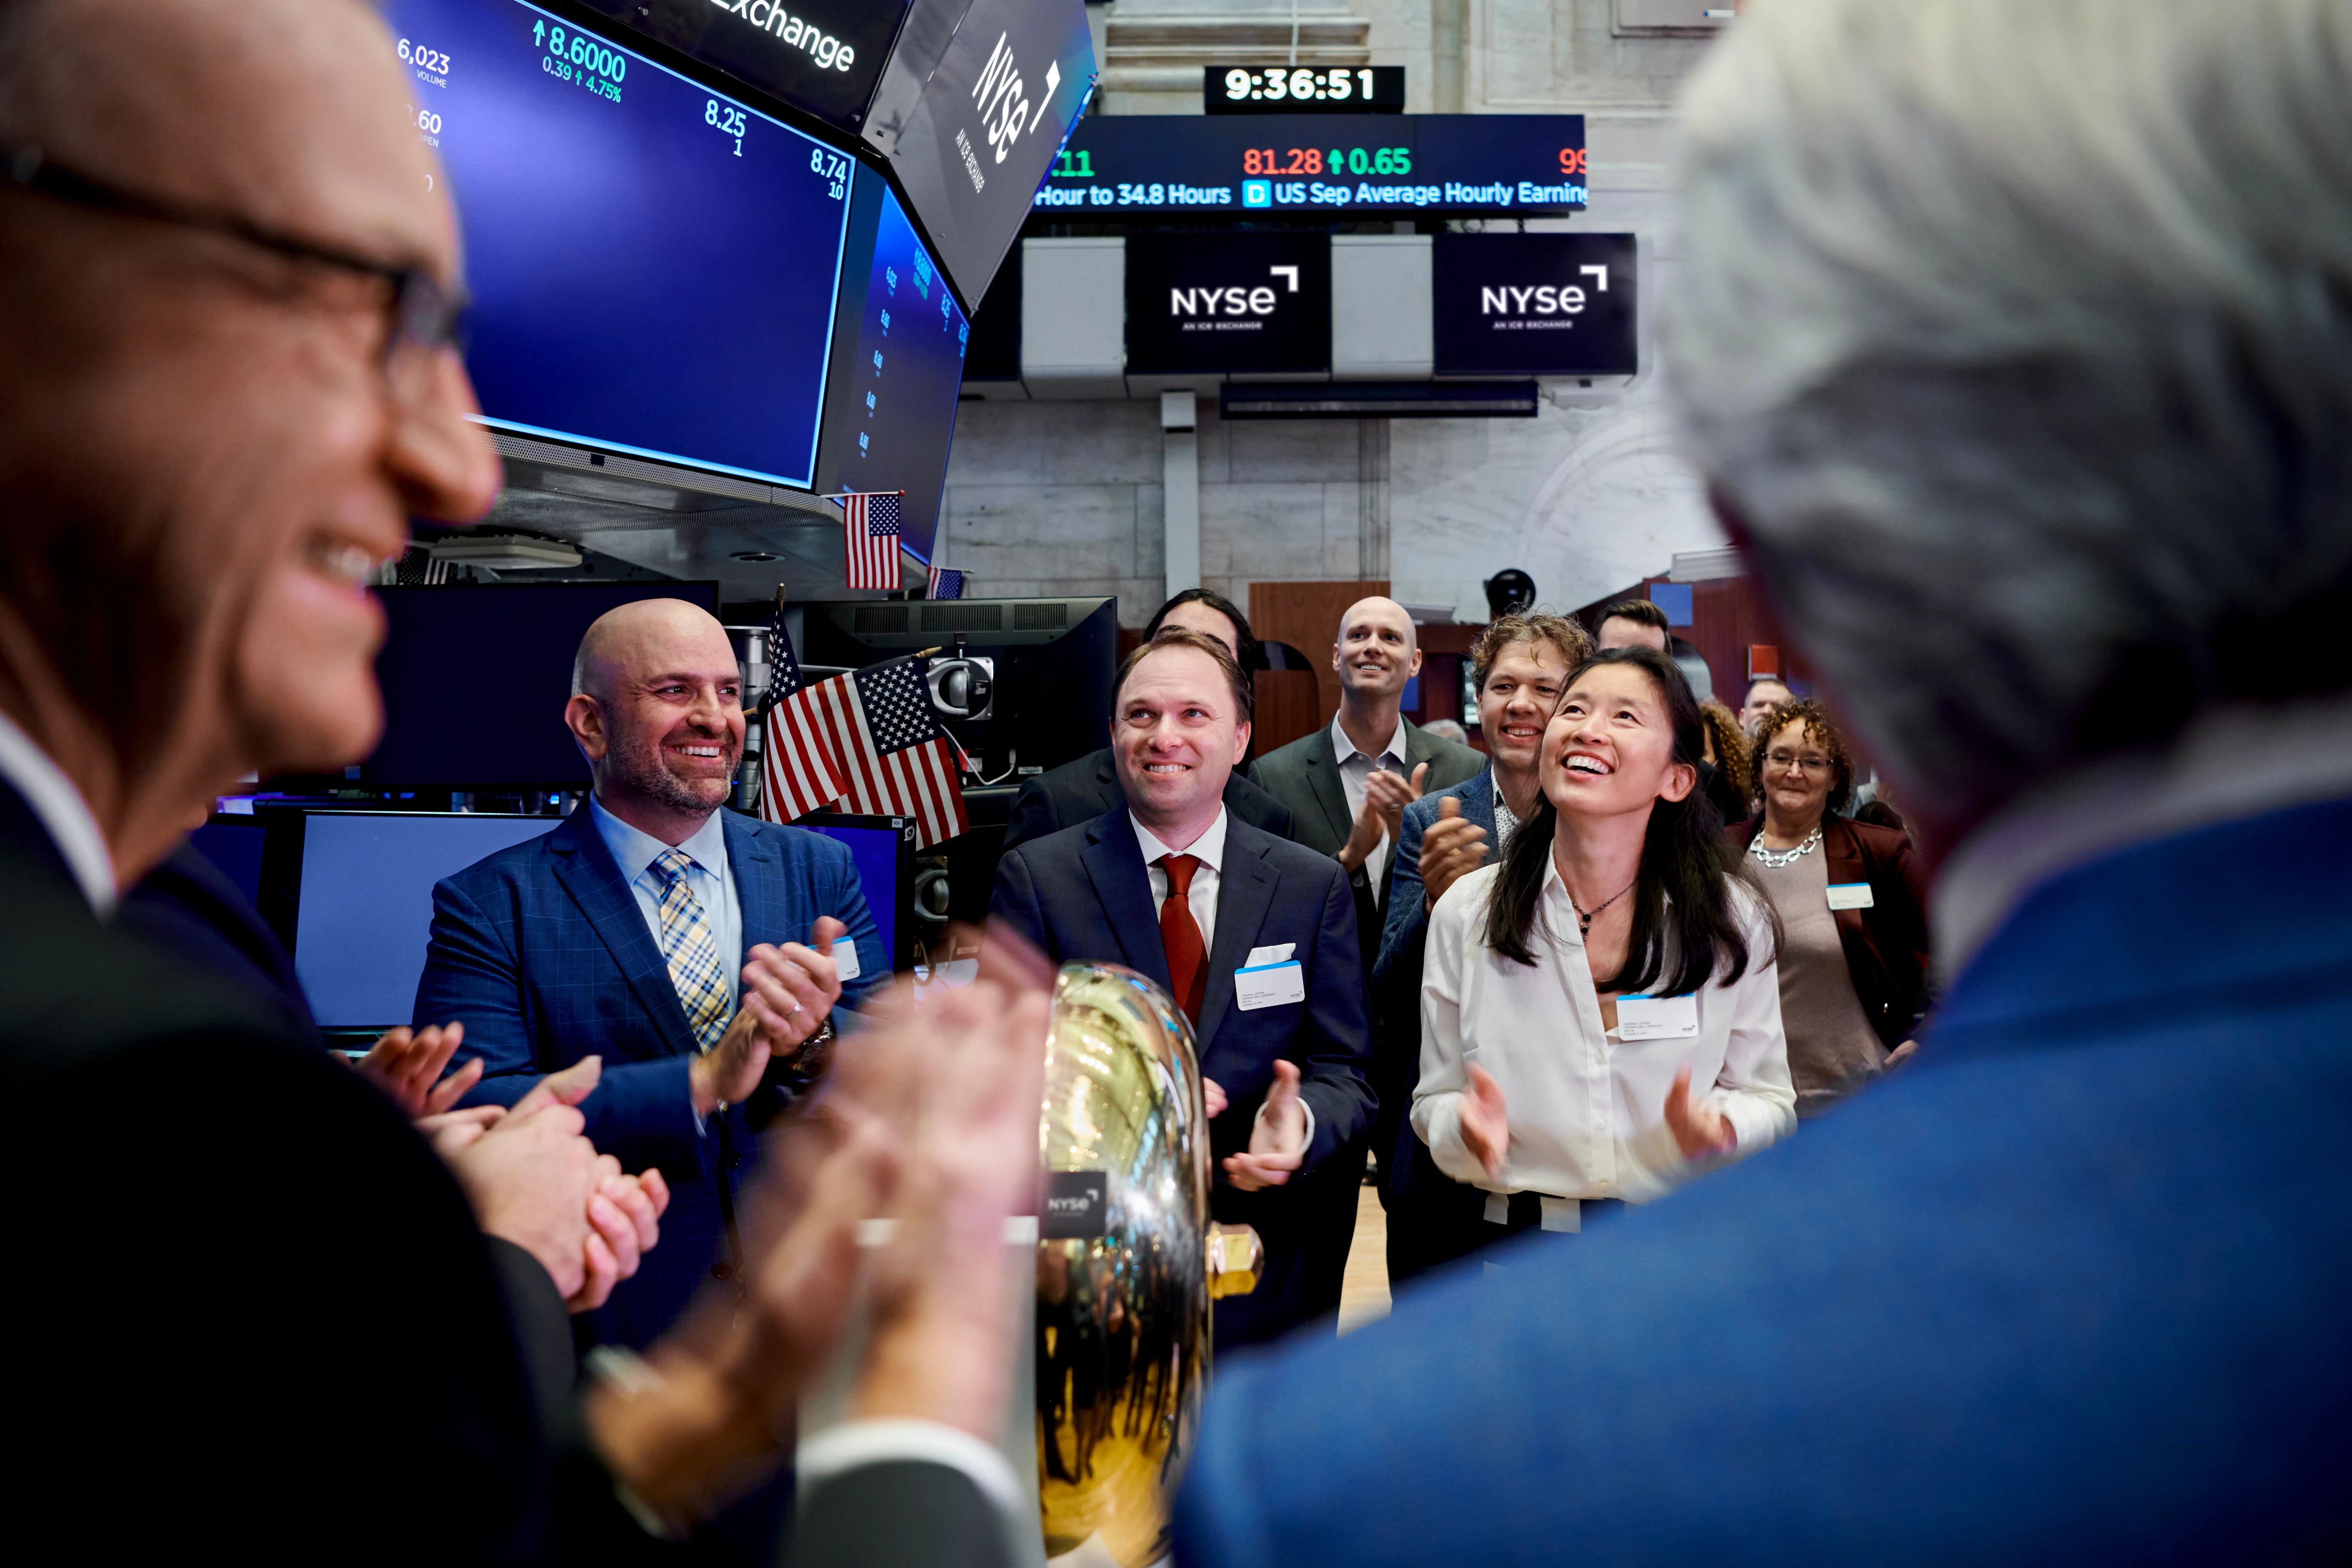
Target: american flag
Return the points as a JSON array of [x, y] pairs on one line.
[[897, 761], [799, 769], [947, 583], [872, 520]]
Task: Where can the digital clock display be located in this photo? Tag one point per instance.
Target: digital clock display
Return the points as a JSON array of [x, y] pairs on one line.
[[654, 265], [1292, 90], [1516, 165]]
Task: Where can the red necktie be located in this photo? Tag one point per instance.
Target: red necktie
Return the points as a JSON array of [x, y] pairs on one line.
[[1188, 960]]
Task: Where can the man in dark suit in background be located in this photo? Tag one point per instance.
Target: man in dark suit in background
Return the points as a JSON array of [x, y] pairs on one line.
[[2070, 1287], [1254, 936], [1083, 790], [621, 933]]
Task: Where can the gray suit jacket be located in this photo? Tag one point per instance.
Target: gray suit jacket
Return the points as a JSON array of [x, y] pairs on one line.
[[1305, 776]]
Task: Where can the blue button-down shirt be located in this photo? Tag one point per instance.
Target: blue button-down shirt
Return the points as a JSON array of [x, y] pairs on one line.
[[708, 879]]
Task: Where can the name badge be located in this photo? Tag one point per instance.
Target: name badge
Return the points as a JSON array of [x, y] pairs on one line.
[[1269, 985], [1259, 957], [1851, 896], [844, 961], [1657, 1017]]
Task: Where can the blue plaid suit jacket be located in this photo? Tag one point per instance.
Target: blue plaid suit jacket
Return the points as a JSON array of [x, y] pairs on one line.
[[542, 953]]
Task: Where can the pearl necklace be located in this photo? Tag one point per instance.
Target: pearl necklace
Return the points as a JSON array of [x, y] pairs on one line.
[[1787, 856]]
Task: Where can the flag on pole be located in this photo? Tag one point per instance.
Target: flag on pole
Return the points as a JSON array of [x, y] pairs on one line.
[[947, 583], [872, 521], [799, 771], [895, 759]]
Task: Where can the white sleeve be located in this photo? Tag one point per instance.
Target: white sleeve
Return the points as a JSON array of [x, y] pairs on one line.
[[855, 1444], [1437, 1095], [1754, 1090]]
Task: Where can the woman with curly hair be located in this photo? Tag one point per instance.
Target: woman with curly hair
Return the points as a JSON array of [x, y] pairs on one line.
[[1853, 953], [1723, 774]]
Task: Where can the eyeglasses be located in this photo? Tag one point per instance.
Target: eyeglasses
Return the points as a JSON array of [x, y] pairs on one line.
[[423, 318], [1786, 760]]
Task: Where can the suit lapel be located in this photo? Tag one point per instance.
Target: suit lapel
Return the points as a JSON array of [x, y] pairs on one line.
[[1245, 893], [587, 871], [753, 866], [1113, 863], [1324, 783]]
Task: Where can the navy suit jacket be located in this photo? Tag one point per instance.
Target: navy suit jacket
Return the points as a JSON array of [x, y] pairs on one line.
[[1431, 1215], [2070, 1289], [1084, 895], [542, 953]]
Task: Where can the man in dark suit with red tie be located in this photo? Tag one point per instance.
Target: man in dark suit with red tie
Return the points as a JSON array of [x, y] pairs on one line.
[[1254, 936]]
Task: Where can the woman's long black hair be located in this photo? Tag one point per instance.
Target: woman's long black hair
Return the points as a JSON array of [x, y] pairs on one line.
[[1684, 914]]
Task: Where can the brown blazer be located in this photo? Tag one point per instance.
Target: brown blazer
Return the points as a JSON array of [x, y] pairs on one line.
[[1885, 944]]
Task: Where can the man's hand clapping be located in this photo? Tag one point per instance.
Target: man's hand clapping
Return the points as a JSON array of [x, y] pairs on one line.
[[407, 1065], [788, 993], [1451, 849], [1386, 795], [1277, 1145]]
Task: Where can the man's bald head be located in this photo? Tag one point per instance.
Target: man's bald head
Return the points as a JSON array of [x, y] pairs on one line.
[[1377, 651], [201, 454], [658, 708]]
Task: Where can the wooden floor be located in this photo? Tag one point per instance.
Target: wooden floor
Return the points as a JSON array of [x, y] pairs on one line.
[[1364, 1293]]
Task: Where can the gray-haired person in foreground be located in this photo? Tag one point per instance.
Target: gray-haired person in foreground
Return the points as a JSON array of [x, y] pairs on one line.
[[2014, 339]]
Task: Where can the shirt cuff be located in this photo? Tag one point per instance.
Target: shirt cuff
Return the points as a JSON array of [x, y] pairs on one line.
[[853, 1445]]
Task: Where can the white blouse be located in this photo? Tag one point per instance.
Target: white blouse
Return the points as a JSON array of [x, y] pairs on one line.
[[1587, 1111]]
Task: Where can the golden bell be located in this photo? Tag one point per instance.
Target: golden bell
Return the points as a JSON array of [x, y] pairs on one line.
[[1127, 1264]]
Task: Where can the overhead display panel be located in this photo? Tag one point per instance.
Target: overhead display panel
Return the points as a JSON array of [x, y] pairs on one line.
[[973, 107], [654, 265], [1228, 303], [1521, 165], [1535, 304], [1302, 89], [899, 371], [822, 56]]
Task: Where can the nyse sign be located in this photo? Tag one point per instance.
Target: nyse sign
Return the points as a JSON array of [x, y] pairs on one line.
[[1218, 303], [1535, 304]]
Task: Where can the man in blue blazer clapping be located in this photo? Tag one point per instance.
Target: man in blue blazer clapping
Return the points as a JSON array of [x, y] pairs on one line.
[[631, 932], [1253, 935]]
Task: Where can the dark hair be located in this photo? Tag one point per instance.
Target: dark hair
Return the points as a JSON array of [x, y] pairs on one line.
[[1682, 910], [1732, 756], [1246, 655], [1245, 699], [1574, 643], [1816, 723], [1641, 612]]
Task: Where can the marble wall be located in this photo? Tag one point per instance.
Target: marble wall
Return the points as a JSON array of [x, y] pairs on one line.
[[1064, 497]]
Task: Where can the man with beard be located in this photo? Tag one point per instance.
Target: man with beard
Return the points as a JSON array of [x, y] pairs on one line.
[[621, 935]]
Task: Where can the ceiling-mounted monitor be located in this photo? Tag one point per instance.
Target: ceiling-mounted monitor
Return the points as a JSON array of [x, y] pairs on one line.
[[654, 263]]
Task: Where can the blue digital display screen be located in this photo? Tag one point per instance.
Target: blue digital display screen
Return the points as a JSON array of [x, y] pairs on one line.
[[652, 265], [897, 393], [875, 850]]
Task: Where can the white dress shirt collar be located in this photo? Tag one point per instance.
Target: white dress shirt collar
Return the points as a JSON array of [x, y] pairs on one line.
[[635, 849], [60, 809], [2230, 764], [1209, 848], [1343, 749]]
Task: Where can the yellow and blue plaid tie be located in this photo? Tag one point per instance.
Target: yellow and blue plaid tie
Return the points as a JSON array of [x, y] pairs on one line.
[[695, 968]]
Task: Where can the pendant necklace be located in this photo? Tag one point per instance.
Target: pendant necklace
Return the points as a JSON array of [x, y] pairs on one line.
[[1583, 920]]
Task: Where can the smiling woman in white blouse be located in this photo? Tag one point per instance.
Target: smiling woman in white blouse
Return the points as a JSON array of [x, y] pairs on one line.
[[1601, 1017]]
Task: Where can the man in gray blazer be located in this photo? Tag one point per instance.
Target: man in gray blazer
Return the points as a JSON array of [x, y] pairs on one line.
[[1346, 788]]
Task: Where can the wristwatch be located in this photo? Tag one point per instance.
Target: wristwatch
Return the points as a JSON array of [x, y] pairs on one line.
[[799, 1071]]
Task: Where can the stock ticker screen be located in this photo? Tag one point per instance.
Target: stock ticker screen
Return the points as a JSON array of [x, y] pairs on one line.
[[1500, 165], [894, 403], [652, 264]]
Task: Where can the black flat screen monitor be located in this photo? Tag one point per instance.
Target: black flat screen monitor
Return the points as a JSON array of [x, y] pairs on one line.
[[898, 368], [653, 263], [1054, 659], [353, 889], [474, 681]]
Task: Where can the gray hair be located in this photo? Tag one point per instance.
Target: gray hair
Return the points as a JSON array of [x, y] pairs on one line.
[[2017, 336]]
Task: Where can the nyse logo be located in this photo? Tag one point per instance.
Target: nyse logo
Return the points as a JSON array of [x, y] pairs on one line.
[[1076, 1205], [1234, 301], [1541, 300], [1003, 97]]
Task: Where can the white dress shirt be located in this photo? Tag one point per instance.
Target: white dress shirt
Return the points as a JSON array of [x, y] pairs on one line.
[[61, 809], [1201, 898], [1356, 772], [708, 879], [1585, 1110]]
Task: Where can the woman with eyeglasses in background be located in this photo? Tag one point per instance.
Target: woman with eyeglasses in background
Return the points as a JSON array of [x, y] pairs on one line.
[[1853, 952]]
